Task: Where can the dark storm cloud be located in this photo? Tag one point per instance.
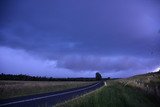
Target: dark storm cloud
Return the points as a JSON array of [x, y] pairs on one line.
[[106, 30], [108, 64], [18, 61], [106, 27]]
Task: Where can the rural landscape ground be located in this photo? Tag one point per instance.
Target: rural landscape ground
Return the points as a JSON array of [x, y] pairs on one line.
[[137, 91]]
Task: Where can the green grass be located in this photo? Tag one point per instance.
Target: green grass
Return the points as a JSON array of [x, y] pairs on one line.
[[10, 89], [114, 95]]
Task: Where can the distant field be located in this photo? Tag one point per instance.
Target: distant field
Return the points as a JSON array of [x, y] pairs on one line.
[[137, 91], [9, 89]]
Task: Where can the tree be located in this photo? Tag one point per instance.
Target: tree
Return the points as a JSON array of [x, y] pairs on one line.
[[98, 76], [109, 78]]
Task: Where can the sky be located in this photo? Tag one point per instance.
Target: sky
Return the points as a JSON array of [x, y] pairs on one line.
[[77, 38]]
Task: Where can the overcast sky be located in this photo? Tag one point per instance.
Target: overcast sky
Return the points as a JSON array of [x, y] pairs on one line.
[[77, 38]]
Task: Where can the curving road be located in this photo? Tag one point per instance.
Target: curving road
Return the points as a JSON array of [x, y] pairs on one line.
[[48, 99]]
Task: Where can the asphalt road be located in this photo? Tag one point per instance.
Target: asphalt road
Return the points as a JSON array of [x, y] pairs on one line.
[[48, 99]]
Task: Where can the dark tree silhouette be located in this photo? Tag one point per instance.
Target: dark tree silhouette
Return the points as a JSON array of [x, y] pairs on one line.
[[109, 78], [22, 77], [98, 76]]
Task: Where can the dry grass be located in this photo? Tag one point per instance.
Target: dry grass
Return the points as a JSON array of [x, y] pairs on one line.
[[147, 82], [9, 89]]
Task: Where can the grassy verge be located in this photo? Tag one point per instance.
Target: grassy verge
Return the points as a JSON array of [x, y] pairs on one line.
[[150, 82], [10, 89], [114, 95]]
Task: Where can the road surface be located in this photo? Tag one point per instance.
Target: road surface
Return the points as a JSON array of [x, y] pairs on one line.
[[48, 99]]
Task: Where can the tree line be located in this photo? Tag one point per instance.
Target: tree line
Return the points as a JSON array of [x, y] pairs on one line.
[[22, 77]]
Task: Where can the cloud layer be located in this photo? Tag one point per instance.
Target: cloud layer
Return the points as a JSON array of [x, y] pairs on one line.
[[114, 37], [108, 64], [18, 61]]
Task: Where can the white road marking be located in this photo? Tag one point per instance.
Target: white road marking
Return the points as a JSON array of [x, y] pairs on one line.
[[32, 99], [105, 83]]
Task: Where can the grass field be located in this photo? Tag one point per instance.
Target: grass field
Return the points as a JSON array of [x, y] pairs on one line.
[[9, 89], [137, 91]]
